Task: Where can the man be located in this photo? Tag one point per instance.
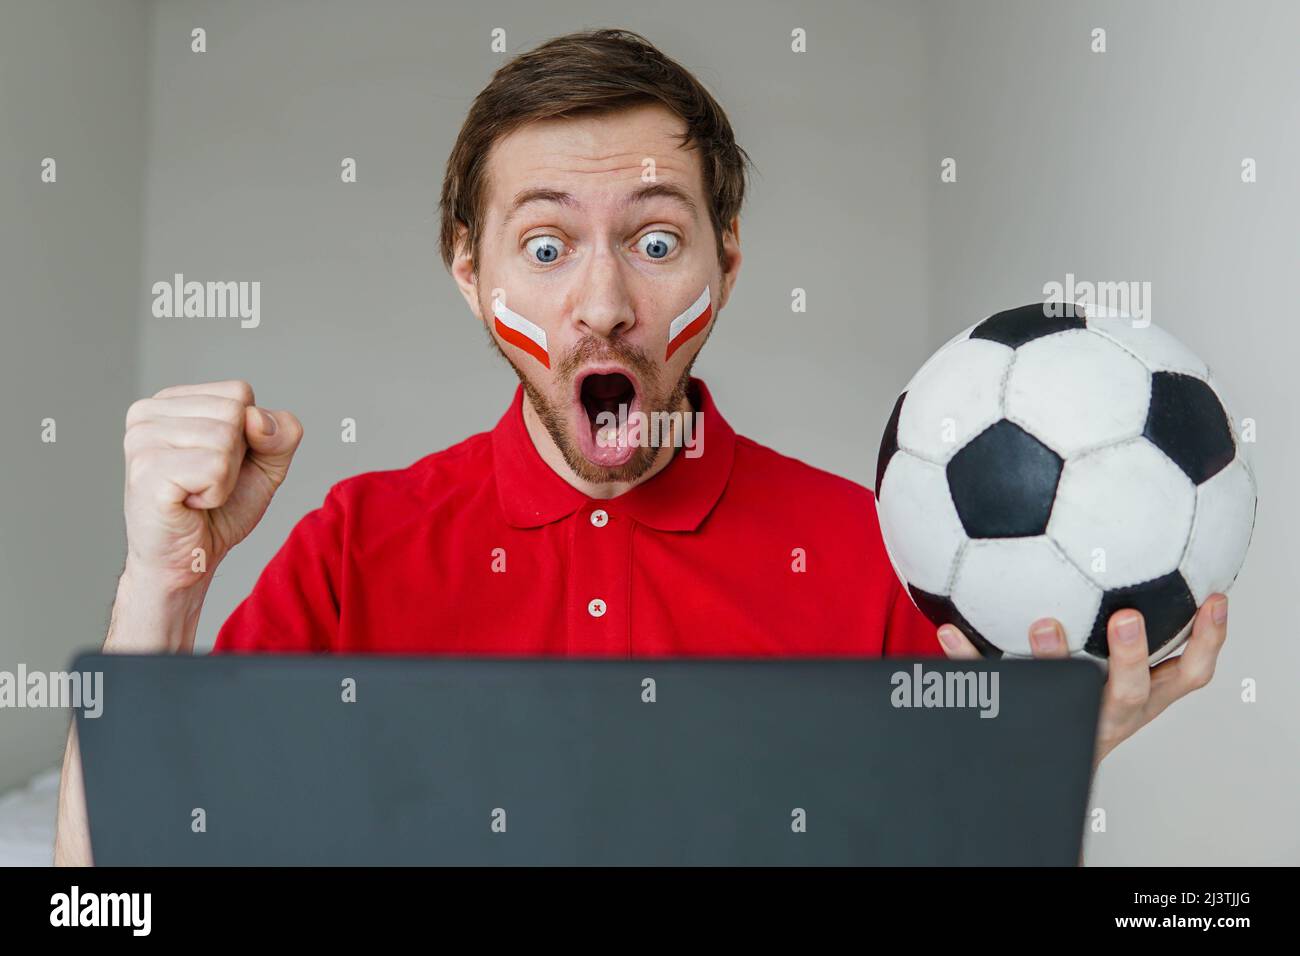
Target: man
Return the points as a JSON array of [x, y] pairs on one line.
[[591, 221]]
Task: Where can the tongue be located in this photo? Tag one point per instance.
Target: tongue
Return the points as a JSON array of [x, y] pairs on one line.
[[604, 394]]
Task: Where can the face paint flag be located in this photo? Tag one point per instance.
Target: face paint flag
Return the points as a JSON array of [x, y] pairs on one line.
[[690, 323], [520, 333]]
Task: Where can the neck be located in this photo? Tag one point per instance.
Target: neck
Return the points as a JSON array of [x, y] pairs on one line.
[[554, 458]]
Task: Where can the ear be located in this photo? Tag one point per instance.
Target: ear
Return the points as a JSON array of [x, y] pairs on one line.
[[464, 272], [730, 259]]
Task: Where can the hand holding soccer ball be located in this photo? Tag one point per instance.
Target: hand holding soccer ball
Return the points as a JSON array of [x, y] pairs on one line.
[[1057, 481]]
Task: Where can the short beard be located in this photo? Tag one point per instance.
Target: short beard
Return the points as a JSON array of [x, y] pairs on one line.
[[553, 419]]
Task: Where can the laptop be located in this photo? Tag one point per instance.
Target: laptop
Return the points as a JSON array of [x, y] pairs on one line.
[[339, 760]]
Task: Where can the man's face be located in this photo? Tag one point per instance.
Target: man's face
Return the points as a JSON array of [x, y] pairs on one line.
[[597, 234]]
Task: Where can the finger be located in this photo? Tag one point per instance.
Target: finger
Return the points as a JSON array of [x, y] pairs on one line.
[[186, 406], [956, 645], [195, 477], [1129, 681], [1047, 638], [172, 432], [235, 389], [1195, 667], [273, 437]]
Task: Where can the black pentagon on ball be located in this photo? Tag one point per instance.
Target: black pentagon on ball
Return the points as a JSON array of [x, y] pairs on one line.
[[1186, 421], [1015, 327], [941, 611], [1165, 603], [888, 442], [1003, 483]]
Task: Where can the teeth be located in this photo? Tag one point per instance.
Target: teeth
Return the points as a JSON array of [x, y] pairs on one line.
[[607, 437]]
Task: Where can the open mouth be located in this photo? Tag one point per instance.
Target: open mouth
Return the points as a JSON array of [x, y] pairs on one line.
[[605, 398]]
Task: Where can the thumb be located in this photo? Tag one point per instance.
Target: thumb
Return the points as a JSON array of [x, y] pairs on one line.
[[956, 645], [272, 437]]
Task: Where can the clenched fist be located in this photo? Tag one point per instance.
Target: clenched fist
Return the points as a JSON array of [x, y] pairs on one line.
[[202, 462]]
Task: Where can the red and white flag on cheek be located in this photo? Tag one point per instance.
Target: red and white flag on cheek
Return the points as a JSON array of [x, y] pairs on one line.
[[520, 333], [690, 323]]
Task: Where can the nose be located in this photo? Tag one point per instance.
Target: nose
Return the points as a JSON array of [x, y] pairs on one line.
[[603, 306]]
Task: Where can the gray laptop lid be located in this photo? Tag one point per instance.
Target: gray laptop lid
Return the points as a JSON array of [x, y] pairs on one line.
[[235, 759]]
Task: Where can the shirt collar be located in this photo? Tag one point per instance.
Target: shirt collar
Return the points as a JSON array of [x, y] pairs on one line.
[[678, 498]]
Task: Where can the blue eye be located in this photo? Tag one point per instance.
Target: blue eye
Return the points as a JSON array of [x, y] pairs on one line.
[[660, 244], [547, 250]]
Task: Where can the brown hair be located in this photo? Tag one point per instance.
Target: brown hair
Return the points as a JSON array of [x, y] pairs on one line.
[[592, 72]]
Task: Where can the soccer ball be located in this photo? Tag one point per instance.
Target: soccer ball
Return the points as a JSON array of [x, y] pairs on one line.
[[1060, 460]]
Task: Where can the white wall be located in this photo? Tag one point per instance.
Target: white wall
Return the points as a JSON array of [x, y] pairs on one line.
[[1127, 166], [73, 87]]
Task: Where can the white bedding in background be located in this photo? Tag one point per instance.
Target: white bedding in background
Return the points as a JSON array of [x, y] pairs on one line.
[[27, 821]]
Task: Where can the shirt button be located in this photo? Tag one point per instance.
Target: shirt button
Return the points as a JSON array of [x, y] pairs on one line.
[[596, 607], [600, 517]]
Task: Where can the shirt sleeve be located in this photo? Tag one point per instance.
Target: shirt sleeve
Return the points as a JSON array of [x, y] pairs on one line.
[[910, 633], [294, 606]]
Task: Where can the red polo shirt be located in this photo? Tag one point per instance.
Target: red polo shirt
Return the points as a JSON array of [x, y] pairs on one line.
[[482, 549]]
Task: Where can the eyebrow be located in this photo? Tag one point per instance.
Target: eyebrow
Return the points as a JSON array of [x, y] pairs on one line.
[[652, 191]]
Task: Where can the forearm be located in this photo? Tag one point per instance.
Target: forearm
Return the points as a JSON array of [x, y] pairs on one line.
[[144, 621], [72, 828], [148, 619]]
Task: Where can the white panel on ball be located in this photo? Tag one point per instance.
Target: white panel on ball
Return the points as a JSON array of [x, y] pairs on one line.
[[1159, 350], [1131, 502], [917, 517], [1003, 585], [1077, 390], [961, 336], [1225, 512], [958, 396]]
